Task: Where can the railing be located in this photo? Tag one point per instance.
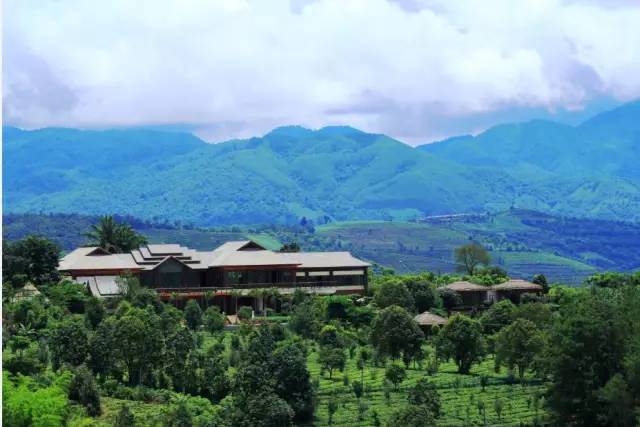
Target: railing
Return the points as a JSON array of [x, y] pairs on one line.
[[267, 285]]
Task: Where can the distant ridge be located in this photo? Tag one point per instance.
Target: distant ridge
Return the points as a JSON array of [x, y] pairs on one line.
[[333, 173]]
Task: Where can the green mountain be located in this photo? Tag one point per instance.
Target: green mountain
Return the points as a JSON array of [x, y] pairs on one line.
[[331, 174]]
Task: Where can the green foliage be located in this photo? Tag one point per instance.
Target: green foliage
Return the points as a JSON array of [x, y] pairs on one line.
[[518, 345], [424, 393], [461, 339], [193, 314], [125, 417], [70, 295], [414, 416], [114, 237], [83, 389], [213, 320], [94, 312], [395, 374], [69, 343], [331, 358], [498, 316], [305, 320], [595, 335], [394, 333], [469, 257], [28, 404], [33, 259], [613, 280], [393, 292], [244, 313]]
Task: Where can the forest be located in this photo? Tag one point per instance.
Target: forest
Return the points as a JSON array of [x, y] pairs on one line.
[[570, 356]]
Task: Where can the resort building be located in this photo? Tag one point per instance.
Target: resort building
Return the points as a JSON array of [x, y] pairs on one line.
[[225, 274]]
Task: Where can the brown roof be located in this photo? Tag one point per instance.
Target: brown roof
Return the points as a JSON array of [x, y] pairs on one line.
[[464, 286], [517, 285], [429, 319]]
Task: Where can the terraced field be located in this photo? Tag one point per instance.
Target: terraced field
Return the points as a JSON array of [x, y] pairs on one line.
[[459, 396]]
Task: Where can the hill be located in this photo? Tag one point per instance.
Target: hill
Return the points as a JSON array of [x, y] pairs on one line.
[[523, 242], [330, 174]]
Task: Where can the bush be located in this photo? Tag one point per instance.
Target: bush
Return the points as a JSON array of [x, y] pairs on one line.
[[244, 313], [213, 320], [193, 314], [83, 390]]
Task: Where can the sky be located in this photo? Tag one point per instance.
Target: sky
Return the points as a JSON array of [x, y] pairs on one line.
[[417, 70]]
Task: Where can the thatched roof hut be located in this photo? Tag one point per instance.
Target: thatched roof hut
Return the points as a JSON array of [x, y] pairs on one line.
[[429, 319], [472, 295], [464, 286], [517, 285], [514, 289]]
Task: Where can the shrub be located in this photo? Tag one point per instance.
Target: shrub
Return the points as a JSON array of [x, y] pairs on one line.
[[244, 313], [83, 390]]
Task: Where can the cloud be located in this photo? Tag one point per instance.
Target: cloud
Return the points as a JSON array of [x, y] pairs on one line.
[[235, 68]]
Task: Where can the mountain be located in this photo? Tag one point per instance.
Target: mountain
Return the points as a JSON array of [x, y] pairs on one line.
[[334, 173]]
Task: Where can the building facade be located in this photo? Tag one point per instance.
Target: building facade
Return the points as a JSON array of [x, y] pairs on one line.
[[227, 274]]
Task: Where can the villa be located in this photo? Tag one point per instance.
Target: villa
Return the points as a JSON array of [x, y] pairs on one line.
[[227, 274]]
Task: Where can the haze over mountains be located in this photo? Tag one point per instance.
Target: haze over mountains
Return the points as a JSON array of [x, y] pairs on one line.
[[335, 173]]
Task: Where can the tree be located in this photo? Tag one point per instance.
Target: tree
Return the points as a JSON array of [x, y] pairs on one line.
[[268, 410], [424, 393], [424, 294], [331, 358], [193, 314], [290, 247], [114, 237], [94, 312], [498, 316], [394, 332], [450, 299], [304, 320], [69, 343], [216, 382], [213, 320], [461, 339], [413, 416], [498, 405], [518, 344], [393, 292], [332, 407], [124, 417], [619, 400], [586, 349], [138, 343], [469, 257], [33, 259], [293, 381], [541, 279], [83, 389], [395, 374]]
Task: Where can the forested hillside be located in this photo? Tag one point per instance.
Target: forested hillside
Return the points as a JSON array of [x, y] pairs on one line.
[[335, 173]]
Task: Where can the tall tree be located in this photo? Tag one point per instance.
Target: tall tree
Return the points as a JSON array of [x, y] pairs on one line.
[[394, 333], [393, 292], [461, 340], [32, 259], [518, 344], [469, 257], [114, 237]]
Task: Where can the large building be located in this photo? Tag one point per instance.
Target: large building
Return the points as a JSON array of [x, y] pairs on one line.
[[226, 274]]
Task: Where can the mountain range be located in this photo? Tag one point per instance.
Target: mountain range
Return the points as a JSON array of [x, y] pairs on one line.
[[331, 174]]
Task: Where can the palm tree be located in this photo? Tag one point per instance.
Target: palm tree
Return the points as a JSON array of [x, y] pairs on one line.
[[114, 237]]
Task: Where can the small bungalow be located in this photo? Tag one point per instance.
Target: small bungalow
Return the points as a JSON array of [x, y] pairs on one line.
[[427, 320], [513, 290], [472, 295]]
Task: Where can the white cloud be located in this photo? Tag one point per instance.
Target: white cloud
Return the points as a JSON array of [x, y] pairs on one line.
[[238, 68]]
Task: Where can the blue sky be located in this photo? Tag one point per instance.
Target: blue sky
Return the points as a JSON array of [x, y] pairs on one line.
[[418, 70]]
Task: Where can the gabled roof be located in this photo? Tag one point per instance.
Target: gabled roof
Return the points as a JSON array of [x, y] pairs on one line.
[[243, 253], [464, 286], [169, 258]]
